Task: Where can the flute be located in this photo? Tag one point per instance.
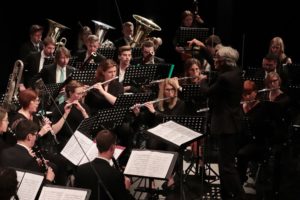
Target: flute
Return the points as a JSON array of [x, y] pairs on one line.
[[179, 79], [103, 83], [154, 101], [267, 90]]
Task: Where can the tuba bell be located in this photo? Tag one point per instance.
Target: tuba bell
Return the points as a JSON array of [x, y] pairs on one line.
[[101, 30], [144, 27], [55, 30]]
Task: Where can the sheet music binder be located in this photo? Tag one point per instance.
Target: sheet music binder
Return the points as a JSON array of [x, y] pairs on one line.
[[196, 123], [185, 34], [107, 52], [64, 193], [128, 100], [139, 75], [28, 179], [142, 171]]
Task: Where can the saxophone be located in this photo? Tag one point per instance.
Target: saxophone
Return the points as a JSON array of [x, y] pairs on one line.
[[13, 85]]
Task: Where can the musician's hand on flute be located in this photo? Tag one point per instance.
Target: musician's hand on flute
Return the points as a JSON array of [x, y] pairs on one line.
[[80, 108], [136, 109], [150, 107]]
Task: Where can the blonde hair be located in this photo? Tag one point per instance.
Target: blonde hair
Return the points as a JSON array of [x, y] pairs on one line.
[[162, 86]]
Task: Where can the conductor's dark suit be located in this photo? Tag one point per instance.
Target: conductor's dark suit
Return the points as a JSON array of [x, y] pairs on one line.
[[111, 178], [226, 115]]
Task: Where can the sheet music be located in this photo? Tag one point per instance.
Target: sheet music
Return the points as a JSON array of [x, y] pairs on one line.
[[175, 133], [149, 164], [62, 193], [73, 151], [29, 185], [93, 153]]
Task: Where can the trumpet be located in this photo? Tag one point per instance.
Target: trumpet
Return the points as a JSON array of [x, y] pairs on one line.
[[103, 83], [154, 101]]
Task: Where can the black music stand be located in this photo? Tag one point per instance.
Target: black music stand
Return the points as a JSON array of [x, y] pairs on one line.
[[128, 100], [72, 61], [108, 53], [136, 52], [139, 75], [47, 92], [78, 65], [178, 131], [84, 76], [185, 34]]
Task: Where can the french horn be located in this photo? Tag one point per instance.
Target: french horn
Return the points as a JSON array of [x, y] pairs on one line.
[[144, 28]]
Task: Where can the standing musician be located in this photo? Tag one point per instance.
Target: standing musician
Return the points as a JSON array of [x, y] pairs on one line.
[[79, 111], [224, 96], [21, 154], [104, 96]]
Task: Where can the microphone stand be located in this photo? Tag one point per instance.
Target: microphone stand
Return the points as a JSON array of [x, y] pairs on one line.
[[100, 182]]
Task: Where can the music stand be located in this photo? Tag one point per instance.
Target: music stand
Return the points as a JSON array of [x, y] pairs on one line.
[[136, 52], [139, 75], [86, 76], [72, 61], [78, 65], [179, 136], [108, 53], [128, 100], [185, 34]]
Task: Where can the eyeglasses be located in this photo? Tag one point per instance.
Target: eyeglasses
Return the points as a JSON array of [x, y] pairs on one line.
[[170, 90]]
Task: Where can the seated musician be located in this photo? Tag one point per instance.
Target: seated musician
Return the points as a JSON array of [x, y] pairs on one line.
[[257, 130], [104, 95], [21, 155], [116, 184], [79, 111], [3, 127]]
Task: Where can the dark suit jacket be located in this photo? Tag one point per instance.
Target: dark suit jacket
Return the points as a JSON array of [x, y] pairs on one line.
[[81, 56], [111, 178], [224, 96], [28, 48], [139, 60], [48, 73], [18, 157]]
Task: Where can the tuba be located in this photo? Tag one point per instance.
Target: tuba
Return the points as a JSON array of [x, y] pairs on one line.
[[101, 30], [55, 30], [144, 27], [13, 85]]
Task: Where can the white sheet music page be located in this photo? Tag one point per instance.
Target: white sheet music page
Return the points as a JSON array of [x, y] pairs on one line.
[[93, 153], [175, 133], [149, 164], [73, 151], [29, 186], [62, 193]]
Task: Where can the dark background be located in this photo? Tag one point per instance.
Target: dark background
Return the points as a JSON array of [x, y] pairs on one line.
[[246, 25]]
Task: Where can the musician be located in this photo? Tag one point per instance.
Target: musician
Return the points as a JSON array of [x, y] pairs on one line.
[[104, 96], [79, 111], [257, 130], [83, 35], [148, 50], [127, 31], [92, 45], [34, 63], [3, 127], [277, 47], [21, 154], [224, 96], [59, 70], [116, 184], [35, 43], [8, 183]]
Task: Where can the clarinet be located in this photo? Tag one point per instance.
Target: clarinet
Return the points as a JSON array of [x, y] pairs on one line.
[[38, 155]]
